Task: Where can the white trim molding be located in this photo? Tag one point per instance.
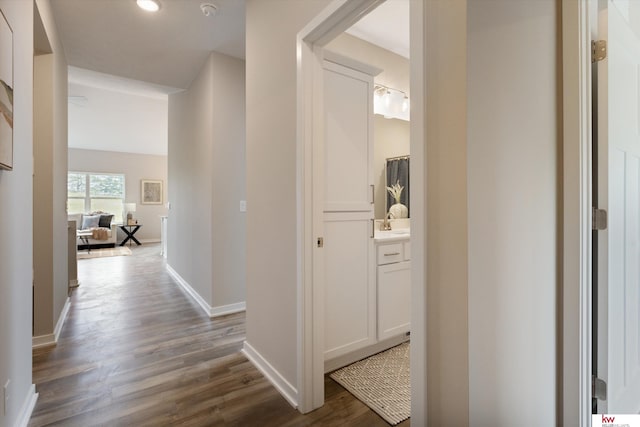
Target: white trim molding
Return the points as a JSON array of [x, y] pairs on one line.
[[210, 311], [62, 318], [283, 386], [151, 240], [574, 391], [43, 341], [27, 407], [328, 24], [52, 339], [223, 310]]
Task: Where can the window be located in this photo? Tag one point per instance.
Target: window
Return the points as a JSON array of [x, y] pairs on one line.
[[89, 192]]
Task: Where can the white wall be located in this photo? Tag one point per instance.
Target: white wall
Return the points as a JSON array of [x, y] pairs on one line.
[[229, 180], [271, 178], [440, 345], [395, 68], [16, 234], [206, 230], [513, 192], [50, 180], [135, 167]]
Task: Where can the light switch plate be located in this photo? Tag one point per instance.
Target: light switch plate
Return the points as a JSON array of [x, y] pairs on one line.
[[243, 205]]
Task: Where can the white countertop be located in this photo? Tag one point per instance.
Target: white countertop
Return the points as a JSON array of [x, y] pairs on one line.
[[392, 235]]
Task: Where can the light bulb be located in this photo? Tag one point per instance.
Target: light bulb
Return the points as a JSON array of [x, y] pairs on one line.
[[387, 99], [149, 5], [405, 104]]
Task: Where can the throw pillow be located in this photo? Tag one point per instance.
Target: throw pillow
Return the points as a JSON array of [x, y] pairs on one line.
[[90, 221], [105, 221]]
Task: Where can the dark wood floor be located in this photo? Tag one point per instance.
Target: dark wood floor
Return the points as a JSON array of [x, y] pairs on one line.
[[136, 351]]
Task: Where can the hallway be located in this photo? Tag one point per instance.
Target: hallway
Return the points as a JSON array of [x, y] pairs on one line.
[[135, 350]]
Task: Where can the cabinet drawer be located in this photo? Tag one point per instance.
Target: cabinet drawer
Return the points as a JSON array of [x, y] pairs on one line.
[[406, 248], [390, 253]]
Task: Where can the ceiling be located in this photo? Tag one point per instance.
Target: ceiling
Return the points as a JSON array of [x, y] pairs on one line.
[[386, 26], [115, 114], [124, 61], [167, 48]]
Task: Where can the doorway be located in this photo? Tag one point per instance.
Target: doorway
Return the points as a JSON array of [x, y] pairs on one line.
[[333, 21]]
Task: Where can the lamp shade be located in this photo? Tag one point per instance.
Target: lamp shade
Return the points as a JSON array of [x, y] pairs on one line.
[[130, 207]]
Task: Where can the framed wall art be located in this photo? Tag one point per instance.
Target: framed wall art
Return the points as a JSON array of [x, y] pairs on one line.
[[151, 192], [6, 94]]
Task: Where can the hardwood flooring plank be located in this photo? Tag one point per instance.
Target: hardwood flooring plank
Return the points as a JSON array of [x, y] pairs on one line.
[[137, 351]]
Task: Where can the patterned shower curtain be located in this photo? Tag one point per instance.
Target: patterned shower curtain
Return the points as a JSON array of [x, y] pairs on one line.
[[398, 171]]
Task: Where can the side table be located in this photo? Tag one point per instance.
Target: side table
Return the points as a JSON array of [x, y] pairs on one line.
[[130, 230]]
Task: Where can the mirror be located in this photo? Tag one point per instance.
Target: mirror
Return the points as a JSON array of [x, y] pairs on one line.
[[397, 180]]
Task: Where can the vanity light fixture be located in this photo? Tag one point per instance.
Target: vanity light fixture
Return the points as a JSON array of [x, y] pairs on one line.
[[149, 5], [390, 103]]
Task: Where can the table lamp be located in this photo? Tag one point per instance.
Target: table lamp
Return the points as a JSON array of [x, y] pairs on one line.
[[130, 208]]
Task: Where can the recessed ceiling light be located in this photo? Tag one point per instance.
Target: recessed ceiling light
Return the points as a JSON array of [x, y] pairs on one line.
[[149, 5]]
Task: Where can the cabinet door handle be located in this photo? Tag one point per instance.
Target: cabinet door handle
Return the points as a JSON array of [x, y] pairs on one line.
[[392, 254], [373, 194], [373, 228]]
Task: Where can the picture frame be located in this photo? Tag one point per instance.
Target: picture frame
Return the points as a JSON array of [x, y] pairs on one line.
[[151, 191], [6, 94]]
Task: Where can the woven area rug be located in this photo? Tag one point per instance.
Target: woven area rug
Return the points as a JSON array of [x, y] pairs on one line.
[[381, 382], [105, 252]]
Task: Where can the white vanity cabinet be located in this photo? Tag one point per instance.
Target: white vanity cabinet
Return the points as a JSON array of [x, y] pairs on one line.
[[393, 289]]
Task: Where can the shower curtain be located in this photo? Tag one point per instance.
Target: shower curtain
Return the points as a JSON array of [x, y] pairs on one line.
[[398, 171]]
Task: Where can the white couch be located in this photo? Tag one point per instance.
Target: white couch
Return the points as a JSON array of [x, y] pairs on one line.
[[112, 232]]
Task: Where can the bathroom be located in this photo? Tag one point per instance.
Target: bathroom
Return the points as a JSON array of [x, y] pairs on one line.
[[366, 237]]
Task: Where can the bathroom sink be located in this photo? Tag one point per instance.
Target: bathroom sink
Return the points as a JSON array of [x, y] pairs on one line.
[[400, 231], [394, 233]]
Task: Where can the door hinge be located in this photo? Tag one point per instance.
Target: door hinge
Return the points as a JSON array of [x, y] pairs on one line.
[[320, 242], [598, 388], [598, 50], [599, 219]]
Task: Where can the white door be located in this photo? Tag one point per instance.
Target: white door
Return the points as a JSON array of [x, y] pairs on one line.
[[618, 191], [349, 281]]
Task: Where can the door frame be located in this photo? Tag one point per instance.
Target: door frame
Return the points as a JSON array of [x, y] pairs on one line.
[[338, 16], [574, 299], [574, 302]]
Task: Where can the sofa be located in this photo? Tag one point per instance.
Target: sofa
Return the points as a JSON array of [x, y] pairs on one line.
[[102, 222]]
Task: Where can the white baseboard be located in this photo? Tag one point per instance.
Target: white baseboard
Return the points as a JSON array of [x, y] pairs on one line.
[[363, 353], [52, 339], [43, 341], [152, 240], [223, 310], [62, 318], [283, 386], [27, 407], [217, 311]]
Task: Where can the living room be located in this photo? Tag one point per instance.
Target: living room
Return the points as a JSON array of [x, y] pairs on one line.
[[117, 145]]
